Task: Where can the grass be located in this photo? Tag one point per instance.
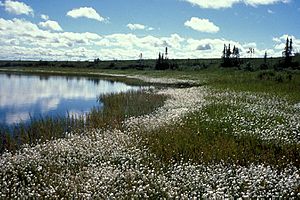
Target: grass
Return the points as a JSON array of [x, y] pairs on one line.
[[278, 84], [116, 108], [204, 137]]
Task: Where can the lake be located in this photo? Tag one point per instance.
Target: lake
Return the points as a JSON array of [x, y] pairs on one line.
[[31, 96]]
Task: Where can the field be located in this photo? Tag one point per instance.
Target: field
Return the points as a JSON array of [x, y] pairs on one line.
[[204, 132]]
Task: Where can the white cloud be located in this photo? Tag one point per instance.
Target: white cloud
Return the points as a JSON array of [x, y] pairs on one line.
[[202, 25], [51, 25], [275, 39], [213, 4], [139, 27], [87, 12], [217, 4], [270, 11], [264, 2], [32, 42], [17, 8], [44, 17], [136, 26], [204, 47], [31, 35], [12, 118], [280, 42]]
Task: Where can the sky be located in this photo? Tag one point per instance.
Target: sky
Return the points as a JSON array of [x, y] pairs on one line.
[[123, 29]]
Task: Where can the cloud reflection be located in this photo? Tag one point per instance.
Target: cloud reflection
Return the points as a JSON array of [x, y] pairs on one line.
[[12, 118], [21, 95]]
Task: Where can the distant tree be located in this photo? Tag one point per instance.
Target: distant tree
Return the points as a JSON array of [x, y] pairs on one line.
[[228, 53], [264, 65], [226, 57], [166, 52], [159, 59], [230, 58], [158, 62], [236, 52], [287, 53], [224, 52], [141, 59], [97, 60], [265, 57], [251, 52], [162, 62], [233, 50]]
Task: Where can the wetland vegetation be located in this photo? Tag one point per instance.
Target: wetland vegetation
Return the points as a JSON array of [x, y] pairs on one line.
[[208, 133]]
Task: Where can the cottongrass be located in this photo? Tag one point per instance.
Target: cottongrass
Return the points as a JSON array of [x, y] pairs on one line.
[[112, 164], [267, 117], [180, 103]]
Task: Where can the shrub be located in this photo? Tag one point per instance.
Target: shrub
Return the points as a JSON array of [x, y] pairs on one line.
[[266, 75]]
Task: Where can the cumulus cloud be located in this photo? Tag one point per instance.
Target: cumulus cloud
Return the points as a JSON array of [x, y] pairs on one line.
[[280, 43], [17, 8], [51, 25], [203, 47], [30, 41], [44, 17], [213, 4], [139, 27], [30, 34], [87, 12], [217, 4], [264, 2], [202, 25], [136, 26]]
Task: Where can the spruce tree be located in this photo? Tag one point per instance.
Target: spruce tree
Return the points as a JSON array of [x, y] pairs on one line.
[[265, 57], [291, 47]]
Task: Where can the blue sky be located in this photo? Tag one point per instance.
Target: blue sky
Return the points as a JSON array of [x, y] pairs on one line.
[[122, 29]]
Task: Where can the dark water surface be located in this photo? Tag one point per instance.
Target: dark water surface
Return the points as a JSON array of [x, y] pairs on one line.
[[30, 96]]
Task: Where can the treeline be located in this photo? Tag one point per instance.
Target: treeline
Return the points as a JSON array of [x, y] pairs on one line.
[[231, 59], [163, 62]]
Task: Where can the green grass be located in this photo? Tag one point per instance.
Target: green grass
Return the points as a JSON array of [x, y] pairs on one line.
[[254, 82], [212, 141], [116, 108]]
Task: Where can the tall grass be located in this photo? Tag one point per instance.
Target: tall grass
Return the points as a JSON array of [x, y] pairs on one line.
[[116, 107]]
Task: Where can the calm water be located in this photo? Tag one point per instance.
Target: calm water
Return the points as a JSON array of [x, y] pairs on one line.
[[25, 96]]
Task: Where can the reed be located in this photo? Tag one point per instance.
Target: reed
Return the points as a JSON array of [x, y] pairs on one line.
[[116, 108]]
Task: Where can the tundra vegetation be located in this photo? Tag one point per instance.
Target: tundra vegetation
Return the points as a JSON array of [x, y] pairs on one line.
[[219, 128]]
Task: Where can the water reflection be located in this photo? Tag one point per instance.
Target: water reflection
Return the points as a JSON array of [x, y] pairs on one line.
[[22, 96]]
